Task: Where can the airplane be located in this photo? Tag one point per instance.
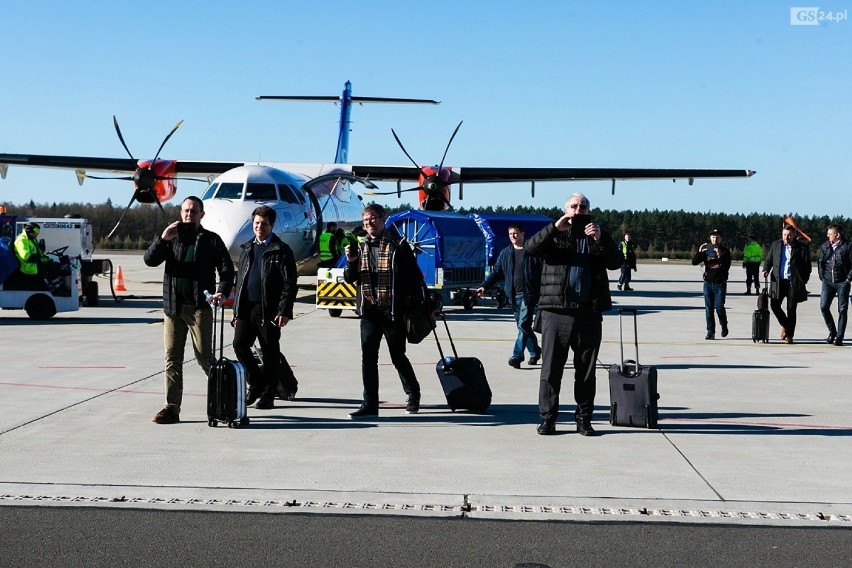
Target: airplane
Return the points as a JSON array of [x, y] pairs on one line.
[[307, 195]]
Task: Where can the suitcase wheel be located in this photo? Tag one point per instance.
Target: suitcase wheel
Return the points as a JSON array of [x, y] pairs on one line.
[[244, 420], [233, 424], [612, 414], [212, 423]]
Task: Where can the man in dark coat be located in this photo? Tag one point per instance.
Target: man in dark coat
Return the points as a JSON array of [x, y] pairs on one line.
[[267, 283], [789, 263], [574, 292], [193, 257]]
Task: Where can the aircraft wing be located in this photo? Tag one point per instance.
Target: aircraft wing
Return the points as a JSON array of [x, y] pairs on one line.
[[117, 165], [469, 174]]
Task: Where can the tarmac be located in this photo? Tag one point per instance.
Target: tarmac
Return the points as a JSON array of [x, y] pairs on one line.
[[754, 434]]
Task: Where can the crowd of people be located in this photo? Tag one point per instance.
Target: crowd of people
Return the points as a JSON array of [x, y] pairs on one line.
[[561, 271]]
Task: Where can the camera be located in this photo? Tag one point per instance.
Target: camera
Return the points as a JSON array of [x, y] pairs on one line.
[[578, 225], [711, 251]]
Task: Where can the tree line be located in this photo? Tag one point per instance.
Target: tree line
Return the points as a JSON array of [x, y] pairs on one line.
[[672, 234]]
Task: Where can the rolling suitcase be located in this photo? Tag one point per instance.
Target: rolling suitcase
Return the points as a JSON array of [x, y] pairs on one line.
[[760, 317], [462, 378], [632, 388], [226, 384], [287, 383]]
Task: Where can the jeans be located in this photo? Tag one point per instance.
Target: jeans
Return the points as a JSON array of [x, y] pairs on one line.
[[829, 291], [199, 323], [626, 275], [375, 325], [526, 337], [714, 301], [581, 333]]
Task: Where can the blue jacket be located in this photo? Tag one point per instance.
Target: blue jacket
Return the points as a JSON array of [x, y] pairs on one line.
[[505, 268]]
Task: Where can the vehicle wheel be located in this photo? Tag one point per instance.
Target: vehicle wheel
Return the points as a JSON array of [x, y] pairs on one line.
[[90, 291], [40, 307], [438, 300], [335, 313], [468, 300]]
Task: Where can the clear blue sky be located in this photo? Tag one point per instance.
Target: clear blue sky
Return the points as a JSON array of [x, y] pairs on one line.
[[540, 83]]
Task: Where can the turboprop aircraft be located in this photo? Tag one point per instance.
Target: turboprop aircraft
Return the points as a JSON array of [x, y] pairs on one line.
[[306, 195]]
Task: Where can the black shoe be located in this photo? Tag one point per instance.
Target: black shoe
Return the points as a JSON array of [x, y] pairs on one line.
[[534, 359], [252, 397], [546, 428], [748, 291], [710, 336], [839, 342], [619, 286], [413, 405], [264, 404], [627, 288], [584, 426], [364, 411], [725, 331], [831, 337], [516, 363]]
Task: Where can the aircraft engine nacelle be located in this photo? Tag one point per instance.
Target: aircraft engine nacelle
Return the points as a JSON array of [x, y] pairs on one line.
[[155, 178], [434, 192]]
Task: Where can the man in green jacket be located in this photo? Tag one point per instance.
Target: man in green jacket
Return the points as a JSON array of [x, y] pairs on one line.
[[752, 257]]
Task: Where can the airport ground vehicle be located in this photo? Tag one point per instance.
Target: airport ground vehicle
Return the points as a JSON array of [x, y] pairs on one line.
[[333, 293], [69, 242]]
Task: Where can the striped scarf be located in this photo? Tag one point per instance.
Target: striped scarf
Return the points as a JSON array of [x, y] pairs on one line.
[[377, 281]]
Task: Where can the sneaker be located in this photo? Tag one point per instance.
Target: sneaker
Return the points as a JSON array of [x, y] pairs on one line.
[[167, 415], [534, 359], [264, 404], [516, 363], [413, 405], [364, 411], [724, 331]]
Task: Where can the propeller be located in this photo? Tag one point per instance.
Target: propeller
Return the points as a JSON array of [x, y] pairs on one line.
[[792, 222], [143, 178], [433, 183]]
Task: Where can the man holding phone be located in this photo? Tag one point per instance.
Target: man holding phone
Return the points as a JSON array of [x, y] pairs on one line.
[[574, 292], [717, 264]]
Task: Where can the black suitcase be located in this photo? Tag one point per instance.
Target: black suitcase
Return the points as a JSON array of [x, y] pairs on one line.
[[760, 316], [287, 383], [632, 388], [462, 378], [226, 384]]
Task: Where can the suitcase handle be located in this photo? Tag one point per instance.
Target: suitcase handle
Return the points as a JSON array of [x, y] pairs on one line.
[[635, 335], [449, 336]]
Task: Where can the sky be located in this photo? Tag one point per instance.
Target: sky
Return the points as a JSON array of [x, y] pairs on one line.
[[541, 83]]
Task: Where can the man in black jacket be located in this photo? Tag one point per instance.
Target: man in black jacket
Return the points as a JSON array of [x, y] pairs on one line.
[[193, 257], [789, 262], [520, 274], [574, 293], [389, 281], [266, 290], [834, 265], [717, 264]]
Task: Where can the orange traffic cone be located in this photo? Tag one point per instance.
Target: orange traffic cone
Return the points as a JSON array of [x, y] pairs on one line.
[[119, 281]]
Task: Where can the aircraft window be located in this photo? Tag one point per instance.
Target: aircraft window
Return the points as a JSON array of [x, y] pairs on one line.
[[261, 192], [233, 190], [291, 195], [211, 191]]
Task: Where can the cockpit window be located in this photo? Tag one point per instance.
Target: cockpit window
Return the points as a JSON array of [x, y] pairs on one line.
[[261, 192], [232, 190], [211, 191], [291, 195]]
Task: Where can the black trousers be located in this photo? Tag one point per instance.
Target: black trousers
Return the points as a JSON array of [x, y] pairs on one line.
[[375, 325], [580, 332], [788, 320], [752, 275], [249, 327]]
